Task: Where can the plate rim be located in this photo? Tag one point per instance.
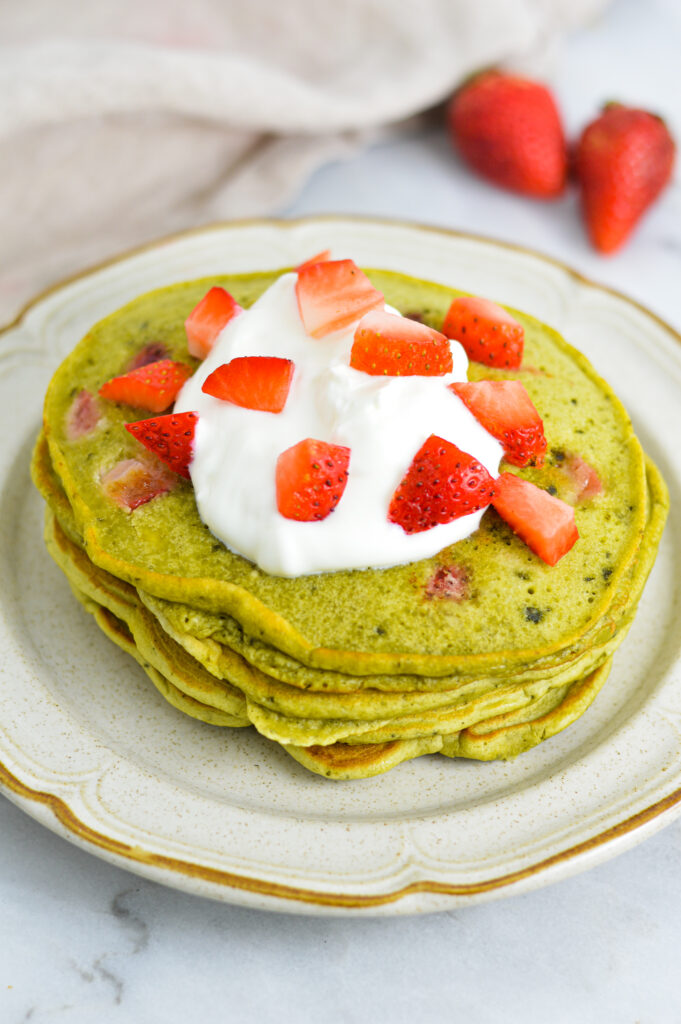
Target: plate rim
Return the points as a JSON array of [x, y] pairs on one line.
[[147, 862], [284, 222], [66, 822]]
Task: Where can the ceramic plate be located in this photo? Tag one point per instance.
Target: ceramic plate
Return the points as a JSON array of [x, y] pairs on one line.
[[89, 748]]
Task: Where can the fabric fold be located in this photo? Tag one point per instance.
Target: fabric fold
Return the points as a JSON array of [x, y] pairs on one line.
[[121, 124]]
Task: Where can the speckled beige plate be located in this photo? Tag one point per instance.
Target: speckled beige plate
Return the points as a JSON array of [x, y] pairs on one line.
[[90, 749]]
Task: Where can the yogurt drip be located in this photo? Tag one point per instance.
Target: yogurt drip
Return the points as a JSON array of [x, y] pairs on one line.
[[383, 420]]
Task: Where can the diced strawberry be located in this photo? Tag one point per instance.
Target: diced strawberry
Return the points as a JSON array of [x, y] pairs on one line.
[[132, 483], [507, 412], [394, 346], [332, 295], [253, 382], [310, 479], [442, 484], [83, 415], [207, 319], [585, 480], [546, 524], [450, 582], [154, 386], [151, 353], [488, 333], [169, 437], [321, 257]]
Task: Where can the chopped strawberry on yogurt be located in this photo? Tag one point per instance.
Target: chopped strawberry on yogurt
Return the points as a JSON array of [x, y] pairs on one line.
[[255, 474], [442, 483], [506, 410], [253, 382], [311, 477], [208, 319], [333, 294], [320, 257], [489, 333], [388, 345]]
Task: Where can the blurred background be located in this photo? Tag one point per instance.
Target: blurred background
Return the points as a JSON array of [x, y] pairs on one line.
[[121, 123]]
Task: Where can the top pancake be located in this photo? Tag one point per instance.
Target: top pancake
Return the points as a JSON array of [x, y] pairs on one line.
[[372, 621]]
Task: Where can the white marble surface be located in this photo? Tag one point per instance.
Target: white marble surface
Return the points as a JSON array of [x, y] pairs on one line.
[[85, 942]]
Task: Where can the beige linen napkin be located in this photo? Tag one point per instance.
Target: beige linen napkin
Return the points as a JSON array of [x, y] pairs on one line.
[[120, 122]]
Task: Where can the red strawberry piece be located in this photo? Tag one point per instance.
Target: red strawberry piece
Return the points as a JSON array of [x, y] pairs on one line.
[[507, 412], [310, 479], [154, 386], [623, 161], [132, 483], [208, 319], [449, 582], [546, 524], [487, 332], [83, 415], [321, 257], [508, 129], [585, 480], [253, 382], [170, 437], [332, 295], [394, 346], [151, 353], [442, 484]]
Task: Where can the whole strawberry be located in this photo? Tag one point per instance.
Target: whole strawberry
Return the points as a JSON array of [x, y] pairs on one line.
[[623, 161], [509, 130]]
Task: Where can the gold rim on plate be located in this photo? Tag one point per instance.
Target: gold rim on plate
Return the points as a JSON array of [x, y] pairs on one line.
[[86, 836]]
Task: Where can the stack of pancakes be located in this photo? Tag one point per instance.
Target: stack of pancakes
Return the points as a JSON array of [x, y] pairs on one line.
[[480, 652]]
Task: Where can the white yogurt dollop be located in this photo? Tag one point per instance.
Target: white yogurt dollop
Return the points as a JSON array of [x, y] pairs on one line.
[[383, 420]]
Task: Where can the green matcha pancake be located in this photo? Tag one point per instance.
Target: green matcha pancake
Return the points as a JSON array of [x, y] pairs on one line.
[[481, 651], [499, 724]]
